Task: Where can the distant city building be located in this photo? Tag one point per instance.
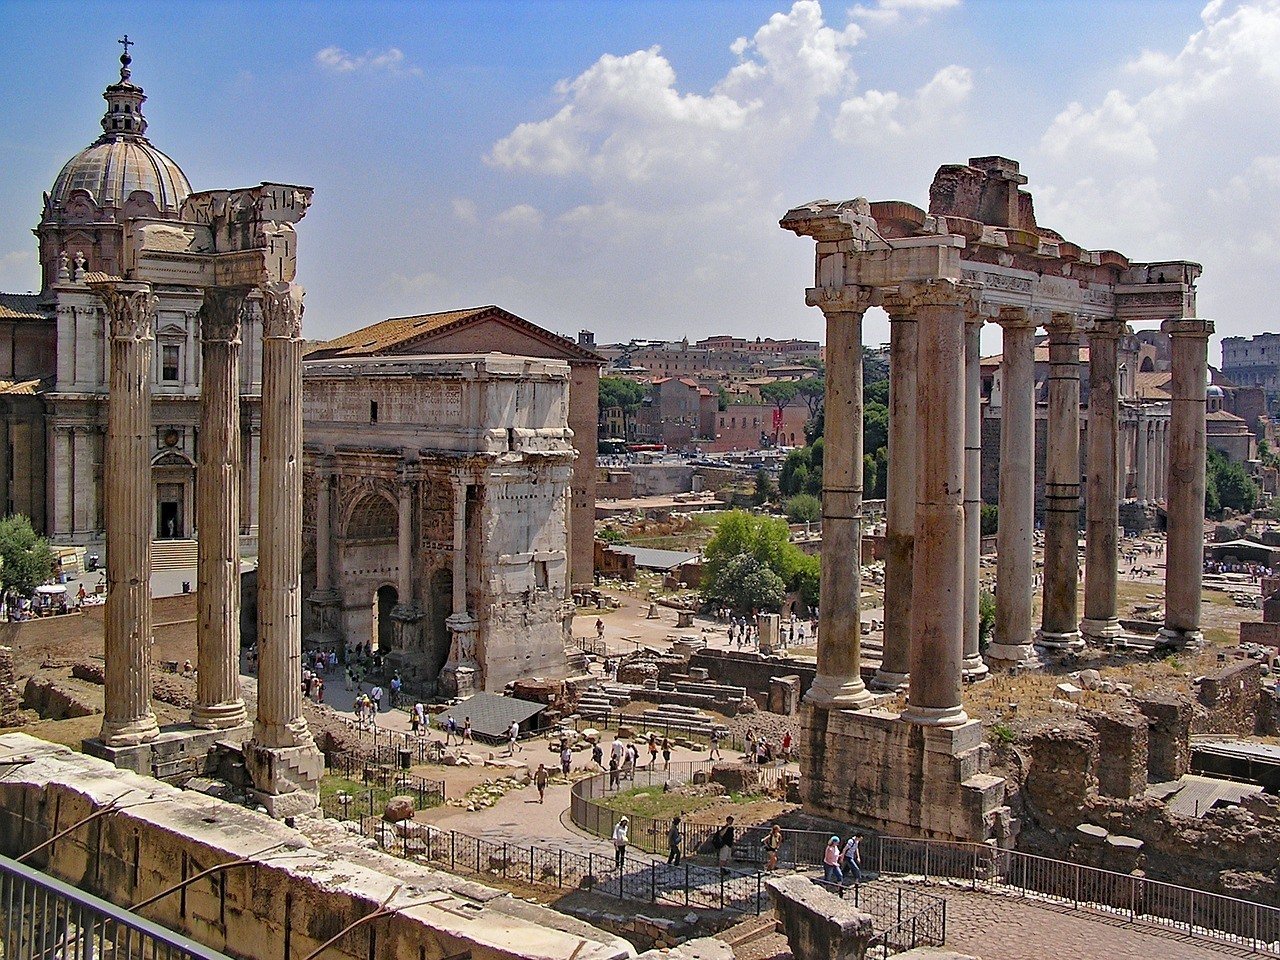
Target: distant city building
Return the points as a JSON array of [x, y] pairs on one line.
[[1254, 362]]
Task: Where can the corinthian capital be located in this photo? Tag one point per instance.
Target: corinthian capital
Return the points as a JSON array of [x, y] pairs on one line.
[[220, 313], [131, 308], [282, 309], [842, 299]]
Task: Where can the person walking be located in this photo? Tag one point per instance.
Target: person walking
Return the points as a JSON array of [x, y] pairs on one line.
[[566, 760], [772, 843], [376, 696], [597, 755], [666, 754], [786, 747], [613, 773], [599, 629], [674, 838], [724, 845], [653, 751], [466, 730], [513, 736], [831, 862], [540, 781], [850, 859], [450, 728], [620, 843], [715, 744]]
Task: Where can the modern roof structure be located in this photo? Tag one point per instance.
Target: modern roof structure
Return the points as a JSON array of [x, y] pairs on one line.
[[491, 715]]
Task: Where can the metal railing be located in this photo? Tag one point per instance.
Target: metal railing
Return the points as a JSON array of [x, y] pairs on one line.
[[904, 919], [386, 776], [46, 918]]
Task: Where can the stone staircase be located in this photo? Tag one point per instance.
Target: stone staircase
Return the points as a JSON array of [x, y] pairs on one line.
[[172, 554]]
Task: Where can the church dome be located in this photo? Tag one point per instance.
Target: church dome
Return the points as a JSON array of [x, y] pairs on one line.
[[122, 160]]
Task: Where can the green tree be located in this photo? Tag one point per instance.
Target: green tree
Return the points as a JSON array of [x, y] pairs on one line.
[[623, 393], [765, 490], [779, 393], [722, 398], [990, 519], [795, 471], [812, 391], [803, 508], [986, 617], [1267, 454], [1236, 488], [766, 538], [805, 579], [745, 584], [875, 427], [26, 561]]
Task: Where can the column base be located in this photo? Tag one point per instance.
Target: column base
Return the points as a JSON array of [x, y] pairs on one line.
[[458, 680], [886, 681], [839, 693], [1013, 656], [1181, 639], [219, 716], [1071, 640], [130, 733], [286, 780], [1102, 631], [974, 669], [935, 716]]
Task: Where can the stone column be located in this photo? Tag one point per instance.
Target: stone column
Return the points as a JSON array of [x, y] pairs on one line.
[[130, 507], [404, 583], [460, 673], [1162, 472], [282, 758], [1184, 555], [218, 702], [838, 683], [1140, 456], [900, 499], [973, 668], [1012, 644], [1062, 487], [324, 580], [1102, 503], [937, 601]]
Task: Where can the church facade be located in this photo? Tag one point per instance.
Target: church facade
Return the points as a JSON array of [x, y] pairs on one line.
[[53, 346]]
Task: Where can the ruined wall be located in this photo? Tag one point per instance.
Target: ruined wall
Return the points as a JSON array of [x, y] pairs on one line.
[[302, 891], [1061, 773], [1122, 752], [1168, 732], [10, 701], [752, 670], [1230, 700]]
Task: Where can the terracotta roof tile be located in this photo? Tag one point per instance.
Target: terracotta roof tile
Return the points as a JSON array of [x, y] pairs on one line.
[[20, 306]]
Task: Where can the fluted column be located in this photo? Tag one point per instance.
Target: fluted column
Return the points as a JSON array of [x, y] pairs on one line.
[[218, 702], [129, 508], [404, 583], [459, 546], [937, 601], [838, 683], [1162, 471], [282, 757], [1102, 502], [973, 667], [1143, 490], [1012, 646], [1184, 556], [1058, 626], [900, 499]]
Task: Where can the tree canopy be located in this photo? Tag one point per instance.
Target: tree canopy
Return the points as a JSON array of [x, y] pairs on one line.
[[780, 392], [620, 392], [812, 391], [25, 559], [1227, 485], [765, 539]]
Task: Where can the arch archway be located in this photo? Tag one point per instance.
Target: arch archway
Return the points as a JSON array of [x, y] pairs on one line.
[[384, 601]]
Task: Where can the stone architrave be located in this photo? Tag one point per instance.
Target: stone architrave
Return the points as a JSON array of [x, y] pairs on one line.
[[1184, 553], [838, 683], [1102, 495], [129, 504], [1012, 646], [218, 702], [973, 667], [283, 761], [1058, 626], [937, 595], [900, 499]]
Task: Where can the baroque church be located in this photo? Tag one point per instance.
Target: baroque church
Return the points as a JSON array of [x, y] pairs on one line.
[[53, 347]]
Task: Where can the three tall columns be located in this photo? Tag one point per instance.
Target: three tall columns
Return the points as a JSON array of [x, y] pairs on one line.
[[129, 503], [218, 701], [1184, 556], [839, 682]]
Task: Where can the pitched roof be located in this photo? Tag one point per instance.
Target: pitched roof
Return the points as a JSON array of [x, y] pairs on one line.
[[1153, 384], [398, 332], [20, 306]]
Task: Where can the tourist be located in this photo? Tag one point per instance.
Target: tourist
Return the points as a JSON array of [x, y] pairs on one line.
[[653, 751], [618, 750], [749, 755], [420, 716], [466, 730], [674, 839], [395, 691], [723, 842], [333, 661], [772, 843], [319, 681], [599, 629], [831, 862], [850, 859], [513, 739], [350, 678], [597, 755], [187, 669], [715, 744], [613, 773], [414, 719], [566, 759], [666, 754], [450, 728], [630, 755], [376, 696], [786, 747], [620, 843], [540, 781]]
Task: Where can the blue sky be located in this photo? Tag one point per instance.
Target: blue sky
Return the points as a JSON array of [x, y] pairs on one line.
[[622, 166]]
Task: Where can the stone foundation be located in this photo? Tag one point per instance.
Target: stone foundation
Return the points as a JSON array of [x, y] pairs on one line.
[[175, 755], [1168, 737], [10, 701], [819, 924], [1122, 753], [881, 772]]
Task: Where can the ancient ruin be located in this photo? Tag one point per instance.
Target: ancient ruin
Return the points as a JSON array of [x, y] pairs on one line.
[[976, 255]]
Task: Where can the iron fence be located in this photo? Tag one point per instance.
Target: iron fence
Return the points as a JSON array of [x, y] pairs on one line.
[[46, 918], [393, 778], [904, 919]]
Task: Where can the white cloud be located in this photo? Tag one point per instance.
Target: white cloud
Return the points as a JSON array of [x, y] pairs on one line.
[[390, 62], [877, 116], [464, 210], [522, 217], [891, 11]]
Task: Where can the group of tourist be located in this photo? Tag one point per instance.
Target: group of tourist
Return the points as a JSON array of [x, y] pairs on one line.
[[417, 721], [1256, 570], [744, 632], [841, 863], [760, 749]]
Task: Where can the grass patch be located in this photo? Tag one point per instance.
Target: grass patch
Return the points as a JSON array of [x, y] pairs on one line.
[[653, 803], [331, 786]]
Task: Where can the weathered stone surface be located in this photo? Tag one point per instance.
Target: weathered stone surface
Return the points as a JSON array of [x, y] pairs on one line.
[[1168, 736], [736, 777], [1061, 776], [10, 700], [1122, 752], [398, 808], [818, 924]]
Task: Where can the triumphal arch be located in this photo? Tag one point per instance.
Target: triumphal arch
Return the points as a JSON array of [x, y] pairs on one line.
[[976, 256]]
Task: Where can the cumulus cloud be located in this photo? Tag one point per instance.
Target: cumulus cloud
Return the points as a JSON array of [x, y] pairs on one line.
[[390, 62], [464, 209], [522, 217], [891, 11], [1178, 159], [877, 116]]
